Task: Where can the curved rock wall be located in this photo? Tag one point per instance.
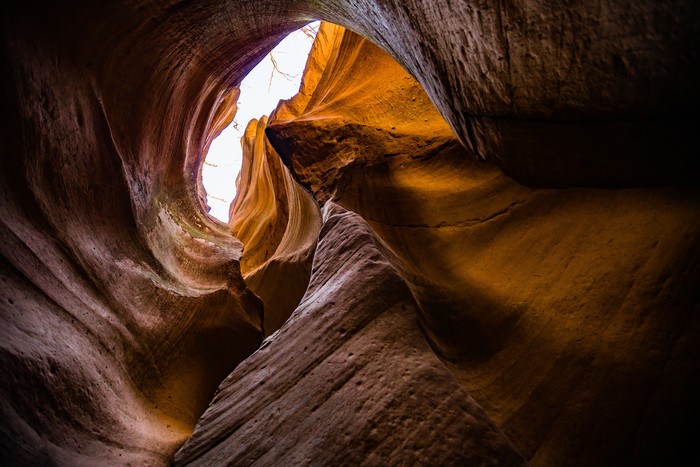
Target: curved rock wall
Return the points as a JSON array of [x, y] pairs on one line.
[[560, 311], [350, 379], [557, 94], [123, 305], [278, 221]]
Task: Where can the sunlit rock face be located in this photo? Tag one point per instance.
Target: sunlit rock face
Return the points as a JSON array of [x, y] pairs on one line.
[[278, 221], [598, 94], [560, 311], [556, 325]]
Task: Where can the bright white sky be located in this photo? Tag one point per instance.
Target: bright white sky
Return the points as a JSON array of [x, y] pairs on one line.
[[255, 101]]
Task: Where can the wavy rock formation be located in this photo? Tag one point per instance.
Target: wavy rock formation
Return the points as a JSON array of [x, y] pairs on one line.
[[555, 94], [123, 306], [278, 221], [568, 315]]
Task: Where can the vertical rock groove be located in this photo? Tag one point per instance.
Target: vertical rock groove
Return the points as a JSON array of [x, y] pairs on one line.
[[278, 221]]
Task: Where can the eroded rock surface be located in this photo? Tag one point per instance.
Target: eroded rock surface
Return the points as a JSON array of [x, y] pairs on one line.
[[569, 315], [350, 379], [556, 94], [278, 221], [561, 311]]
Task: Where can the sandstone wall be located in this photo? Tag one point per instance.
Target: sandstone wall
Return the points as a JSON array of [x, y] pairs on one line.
[[560, 311], [278, 221], [569, 316]]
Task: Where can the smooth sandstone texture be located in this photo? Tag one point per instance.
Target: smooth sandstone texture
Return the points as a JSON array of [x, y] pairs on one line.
[[570, 315], [122, 305], [278, 221], [557, 94]]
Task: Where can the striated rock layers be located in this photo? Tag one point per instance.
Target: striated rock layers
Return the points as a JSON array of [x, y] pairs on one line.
[[488, 318]]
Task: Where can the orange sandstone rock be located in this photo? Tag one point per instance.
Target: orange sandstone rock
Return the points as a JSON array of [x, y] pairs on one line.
[[350, 379], [278, 221], [561, 311]]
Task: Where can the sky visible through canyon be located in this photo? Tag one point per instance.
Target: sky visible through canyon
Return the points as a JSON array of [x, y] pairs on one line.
[[261, 90]]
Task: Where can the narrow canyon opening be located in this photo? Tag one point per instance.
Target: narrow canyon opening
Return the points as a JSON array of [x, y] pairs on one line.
[[275, 78]]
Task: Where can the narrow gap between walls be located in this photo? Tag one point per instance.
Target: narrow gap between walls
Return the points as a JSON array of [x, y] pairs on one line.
[[276, 77]]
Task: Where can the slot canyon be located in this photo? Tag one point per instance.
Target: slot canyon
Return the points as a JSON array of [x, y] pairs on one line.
[[472, 238]]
